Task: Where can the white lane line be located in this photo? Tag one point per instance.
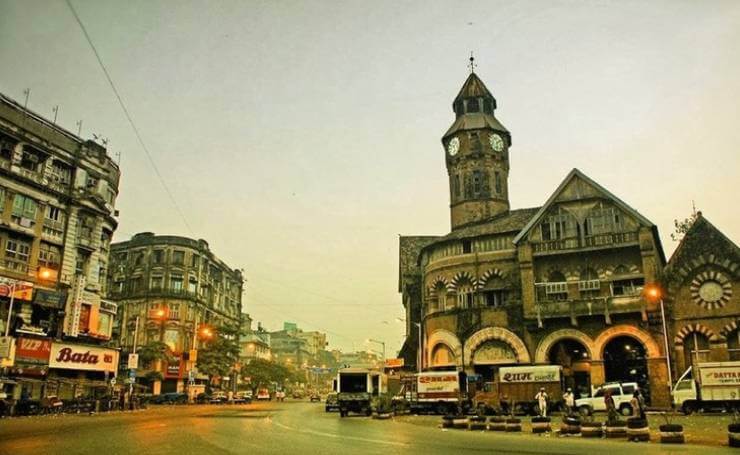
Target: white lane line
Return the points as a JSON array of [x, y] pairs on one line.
[[336, 436]]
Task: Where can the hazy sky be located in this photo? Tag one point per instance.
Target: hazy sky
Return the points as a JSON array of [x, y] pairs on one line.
[[300, 138]]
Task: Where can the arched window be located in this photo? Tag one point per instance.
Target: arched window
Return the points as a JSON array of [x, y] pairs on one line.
[[695, 348], [473, 105], [442, 355], [733, 345]]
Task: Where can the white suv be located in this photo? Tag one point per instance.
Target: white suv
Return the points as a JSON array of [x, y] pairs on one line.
[[621, 393]]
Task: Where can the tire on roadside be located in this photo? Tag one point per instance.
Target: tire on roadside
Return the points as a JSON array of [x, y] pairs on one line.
[[671, 434], [592, 429], [733, 434], [637, 429]]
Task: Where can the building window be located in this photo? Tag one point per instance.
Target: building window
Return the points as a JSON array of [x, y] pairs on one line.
[[496, 298], [105, 324], [156, 282], [24, 210], [158, 256], [589, 285], [91, 183], [31, 159], [61, 173], [696, 349], [560, 226], [139, 260], [473, 105], [176, 282], [499, 186], [733, 345], [456, 186], [53, 213], [556, 287], [602, 221], [465, 297], [193, 285], [477, 183], [174, 310], [49, 256], [487, 106], [81, 262], [632, 286], [136, 284], [16, 254], [467, 247], [194, 260], [87, 226], [84, 321], [178, 257]]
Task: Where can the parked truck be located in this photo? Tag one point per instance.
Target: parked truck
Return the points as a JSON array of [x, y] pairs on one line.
[[514, 389], [708, 386], [356, 387], [439, 392]]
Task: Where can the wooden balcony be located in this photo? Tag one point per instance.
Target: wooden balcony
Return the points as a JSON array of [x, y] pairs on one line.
[[596, 306], [590, 242]]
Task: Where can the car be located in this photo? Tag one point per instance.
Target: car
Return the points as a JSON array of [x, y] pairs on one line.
[[297, 395], [280, 395], [243, 397], [315, 397], [170, 398], [218, 397], [621, 393], [332, 403], [263, 394]]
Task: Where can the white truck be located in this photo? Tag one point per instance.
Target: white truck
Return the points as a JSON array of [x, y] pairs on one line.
[[440, 392], [621, 392], [710, 385], [356, 387]]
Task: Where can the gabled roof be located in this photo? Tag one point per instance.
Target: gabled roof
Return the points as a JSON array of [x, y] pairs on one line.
[[477, 121], [575, 173], [703, 238], [409, 248]]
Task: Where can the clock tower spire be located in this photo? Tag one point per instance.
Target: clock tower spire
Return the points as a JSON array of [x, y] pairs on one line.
[[477, 155]]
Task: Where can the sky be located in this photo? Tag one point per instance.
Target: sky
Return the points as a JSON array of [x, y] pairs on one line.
[[300, 139]]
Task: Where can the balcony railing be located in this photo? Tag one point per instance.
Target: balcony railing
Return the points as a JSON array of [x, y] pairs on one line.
[[15, 265], [593, 241]]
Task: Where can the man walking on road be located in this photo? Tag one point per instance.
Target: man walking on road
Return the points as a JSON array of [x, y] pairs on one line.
[[541, 398], [570, 401]]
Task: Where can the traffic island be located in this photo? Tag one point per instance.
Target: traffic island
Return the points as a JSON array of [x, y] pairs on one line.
[[733, 434], [541, 425], [476, 423], [592, 429], [637, 429], [671, 433], [570, 425], [497, 424], [513, 425], [615, 430]]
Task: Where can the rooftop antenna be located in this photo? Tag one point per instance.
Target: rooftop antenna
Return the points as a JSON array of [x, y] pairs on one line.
[[55, 110], [26, 92], [79, 128], [472, 64], [693, 208]]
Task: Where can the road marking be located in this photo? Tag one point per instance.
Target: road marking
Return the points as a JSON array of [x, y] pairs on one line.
[[336, 436]]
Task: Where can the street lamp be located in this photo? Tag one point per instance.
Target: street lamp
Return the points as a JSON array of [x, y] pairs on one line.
[[654, 293], [420, 350]]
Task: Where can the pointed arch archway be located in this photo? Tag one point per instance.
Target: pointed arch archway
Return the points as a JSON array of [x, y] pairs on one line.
[[500, 334], [541, 354], [447, 338]]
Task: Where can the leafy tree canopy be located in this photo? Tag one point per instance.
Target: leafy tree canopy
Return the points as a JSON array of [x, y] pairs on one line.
[[219, 355]]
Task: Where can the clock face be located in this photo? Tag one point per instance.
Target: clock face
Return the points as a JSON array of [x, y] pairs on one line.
[[497, 143], [453, 146]]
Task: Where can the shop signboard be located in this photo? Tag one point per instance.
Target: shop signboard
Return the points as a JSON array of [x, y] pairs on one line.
[[133, 361], [7, 351], [33, 350], [50, 299], [23, 289], [174, 368], [78, 357], [394, 363]]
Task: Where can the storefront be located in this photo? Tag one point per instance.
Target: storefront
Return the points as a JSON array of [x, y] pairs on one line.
[[31, 367], [79, 370]]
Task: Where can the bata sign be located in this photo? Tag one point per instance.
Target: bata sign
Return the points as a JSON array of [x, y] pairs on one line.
[[76, 357]]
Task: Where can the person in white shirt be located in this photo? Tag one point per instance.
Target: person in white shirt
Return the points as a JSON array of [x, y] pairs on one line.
[[542, 398], [570, 401]]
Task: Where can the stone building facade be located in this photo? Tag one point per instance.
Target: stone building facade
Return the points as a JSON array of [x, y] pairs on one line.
[[57, 218], [172, 286], [557, 284]]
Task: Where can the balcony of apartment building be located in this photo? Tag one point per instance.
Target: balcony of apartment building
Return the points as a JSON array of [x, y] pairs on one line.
[[588, 297], [584, 243]]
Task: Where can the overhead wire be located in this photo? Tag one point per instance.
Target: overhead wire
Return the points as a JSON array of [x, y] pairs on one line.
[[129, 117]]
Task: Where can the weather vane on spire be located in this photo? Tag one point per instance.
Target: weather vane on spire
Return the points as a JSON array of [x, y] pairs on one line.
[[472, 64]]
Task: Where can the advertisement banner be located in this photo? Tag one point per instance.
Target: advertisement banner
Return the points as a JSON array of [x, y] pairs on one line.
[[50, 299], [78, 357], [530, 374], [394, 363], [23, 289], [720, 376], [33, 350], [175, 369], [133, 361]]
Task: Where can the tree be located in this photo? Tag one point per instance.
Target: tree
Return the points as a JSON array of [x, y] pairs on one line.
[[219, 356], [682, 227], [153, 351], [263, 372]]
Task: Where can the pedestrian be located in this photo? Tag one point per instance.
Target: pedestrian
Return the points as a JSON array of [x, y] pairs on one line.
[[638, 405], [611, 408], [570, 401], [542, 398]]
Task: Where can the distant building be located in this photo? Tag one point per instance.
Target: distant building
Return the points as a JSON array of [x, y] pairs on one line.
[[289, 349], [255, 344], [360, 359], [57, 198], [315, 342], [172, 286]]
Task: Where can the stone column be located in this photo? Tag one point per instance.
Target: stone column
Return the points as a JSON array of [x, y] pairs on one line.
[[658, 380], [598, 376]]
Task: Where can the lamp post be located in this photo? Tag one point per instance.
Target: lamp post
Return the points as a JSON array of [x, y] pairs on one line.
[[420, 350], [655, 293]]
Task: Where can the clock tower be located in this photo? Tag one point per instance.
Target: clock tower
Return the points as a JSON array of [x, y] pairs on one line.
[[477, 156]]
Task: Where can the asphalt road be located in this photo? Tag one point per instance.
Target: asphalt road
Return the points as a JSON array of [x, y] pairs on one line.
[[281, 428]]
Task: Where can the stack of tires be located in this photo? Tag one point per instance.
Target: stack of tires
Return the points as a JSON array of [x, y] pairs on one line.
[[570, 425], [637, 429], [476, 423], [460, 422], [733, 434], [592, 429], [497, 424], [447, 421], [513, 425], [671, 434], [615, 430], [541, 425]]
